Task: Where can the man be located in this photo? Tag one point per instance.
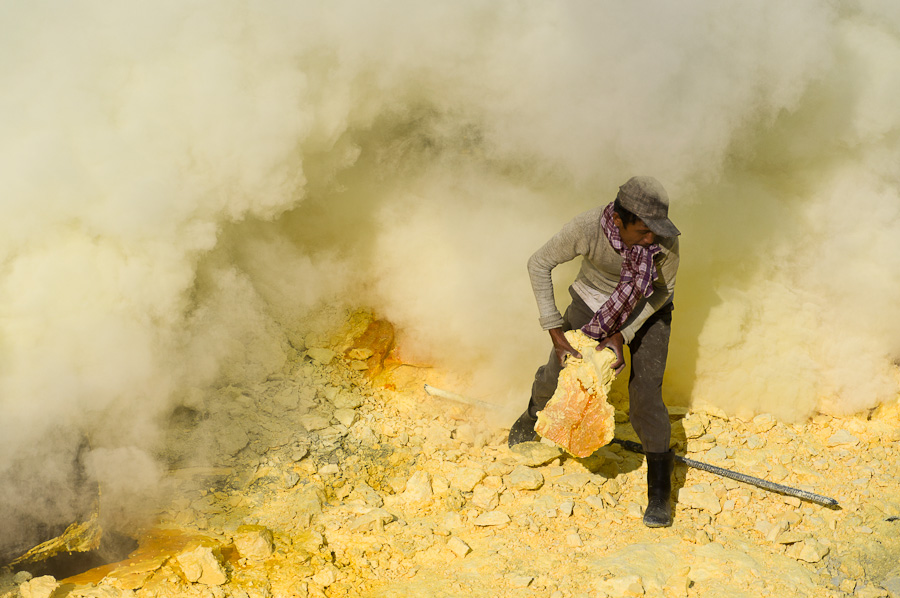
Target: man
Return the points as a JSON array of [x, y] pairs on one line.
[[621, 296]]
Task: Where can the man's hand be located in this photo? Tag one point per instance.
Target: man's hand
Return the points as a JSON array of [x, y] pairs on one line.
[[615, 342], [562, 346]]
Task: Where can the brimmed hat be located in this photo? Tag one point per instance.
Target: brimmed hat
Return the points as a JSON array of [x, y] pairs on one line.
[[646, 198]]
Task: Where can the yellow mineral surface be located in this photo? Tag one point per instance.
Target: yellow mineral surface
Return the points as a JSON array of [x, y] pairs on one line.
[[579, 417], [405, 493]]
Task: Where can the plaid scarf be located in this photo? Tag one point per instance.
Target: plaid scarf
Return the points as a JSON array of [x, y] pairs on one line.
[[635, 281]]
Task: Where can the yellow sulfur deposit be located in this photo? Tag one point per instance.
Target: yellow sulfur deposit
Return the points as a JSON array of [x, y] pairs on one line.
[[578, 416]]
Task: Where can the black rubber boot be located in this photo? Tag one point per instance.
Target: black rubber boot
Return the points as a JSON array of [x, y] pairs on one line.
[[523, 430], [659, 489]]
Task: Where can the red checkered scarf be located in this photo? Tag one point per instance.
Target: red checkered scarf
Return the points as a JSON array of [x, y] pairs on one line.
[[635, 281]]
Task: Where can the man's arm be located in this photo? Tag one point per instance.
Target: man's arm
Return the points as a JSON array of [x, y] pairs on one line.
[[566, 245], [561, 345]]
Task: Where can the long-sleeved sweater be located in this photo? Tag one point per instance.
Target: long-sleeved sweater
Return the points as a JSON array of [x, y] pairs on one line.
[[600, 270]]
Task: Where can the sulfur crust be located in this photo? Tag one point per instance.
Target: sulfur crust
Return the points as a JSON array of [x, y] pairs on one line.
[[578, 417]]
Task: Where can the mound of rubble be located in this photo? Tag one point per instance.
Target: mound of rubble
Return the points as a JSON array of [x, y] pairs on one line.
[[340, 476]]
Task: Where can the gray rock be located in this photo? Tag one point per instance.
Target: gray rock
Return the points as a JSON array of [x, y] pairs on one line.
[[535, 454]]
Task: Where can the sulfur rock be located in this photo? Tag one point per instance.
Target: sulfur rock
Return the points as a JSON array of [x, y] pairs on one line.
[[578, 417], [535, 454], [485, 498], [202, 563], [492, 518], [700, 496], [254, 542], [39, 587], [459, 547], [466, 478]]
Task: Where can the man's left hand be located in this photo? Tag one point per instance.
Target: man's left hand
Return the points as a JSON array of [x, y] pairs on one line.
[[615, 342]]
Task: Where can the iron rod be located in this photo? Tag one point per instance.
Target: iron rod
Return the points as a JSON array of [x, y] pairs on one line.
[[740, 477]]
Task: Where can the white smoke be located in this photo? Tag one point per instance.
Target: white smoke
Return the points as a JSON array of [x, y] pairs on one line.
[[180, 183]]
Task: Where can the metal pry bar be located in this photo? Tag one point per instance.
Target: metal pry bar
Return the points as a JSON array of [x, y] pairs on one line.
[[634, 447]]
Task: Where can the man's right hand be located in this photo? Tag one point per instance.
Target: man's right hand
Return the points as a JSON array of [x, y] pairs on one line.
[[561, 346]]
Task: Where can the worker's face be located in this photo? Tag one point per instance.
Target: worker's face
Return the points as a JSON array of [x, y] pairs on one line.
[[635, 233]]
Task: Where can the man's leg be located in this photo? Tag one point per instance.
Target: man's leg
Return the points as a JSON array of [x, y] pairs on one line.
[[577, 315], [649, 350], [649, 415]]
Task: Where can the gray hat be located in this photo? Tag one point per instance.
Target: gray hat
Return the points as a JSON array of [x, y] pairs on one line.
[[646, 198]]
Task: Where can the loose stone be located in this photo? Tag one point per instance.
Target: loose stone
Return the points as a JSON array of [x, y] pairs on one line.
[[320, 355], [458, 547], [535, 454], [466, 478], [525, 478], [418, 489], [203, 564], [700, 496], [842, 438], [254, 542], [485, 498], [491, 518], [39, 587]]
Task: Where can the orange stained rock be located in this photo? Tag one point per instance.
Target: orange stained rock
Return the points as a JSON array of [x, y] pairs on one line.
[[378, 338], [578, 417], [155, 549]]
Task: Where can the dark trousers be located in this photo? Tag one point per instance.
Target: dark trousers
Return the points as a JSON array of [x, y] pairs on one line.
[[649, 349]]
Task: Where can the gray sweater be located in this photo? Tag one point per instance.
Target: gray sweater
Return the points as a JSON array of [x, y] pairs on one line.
[[600, 270]]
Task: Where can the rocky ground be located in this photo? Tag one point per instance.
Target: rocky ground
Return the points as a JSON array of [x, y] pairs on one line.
[[335, 478]]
